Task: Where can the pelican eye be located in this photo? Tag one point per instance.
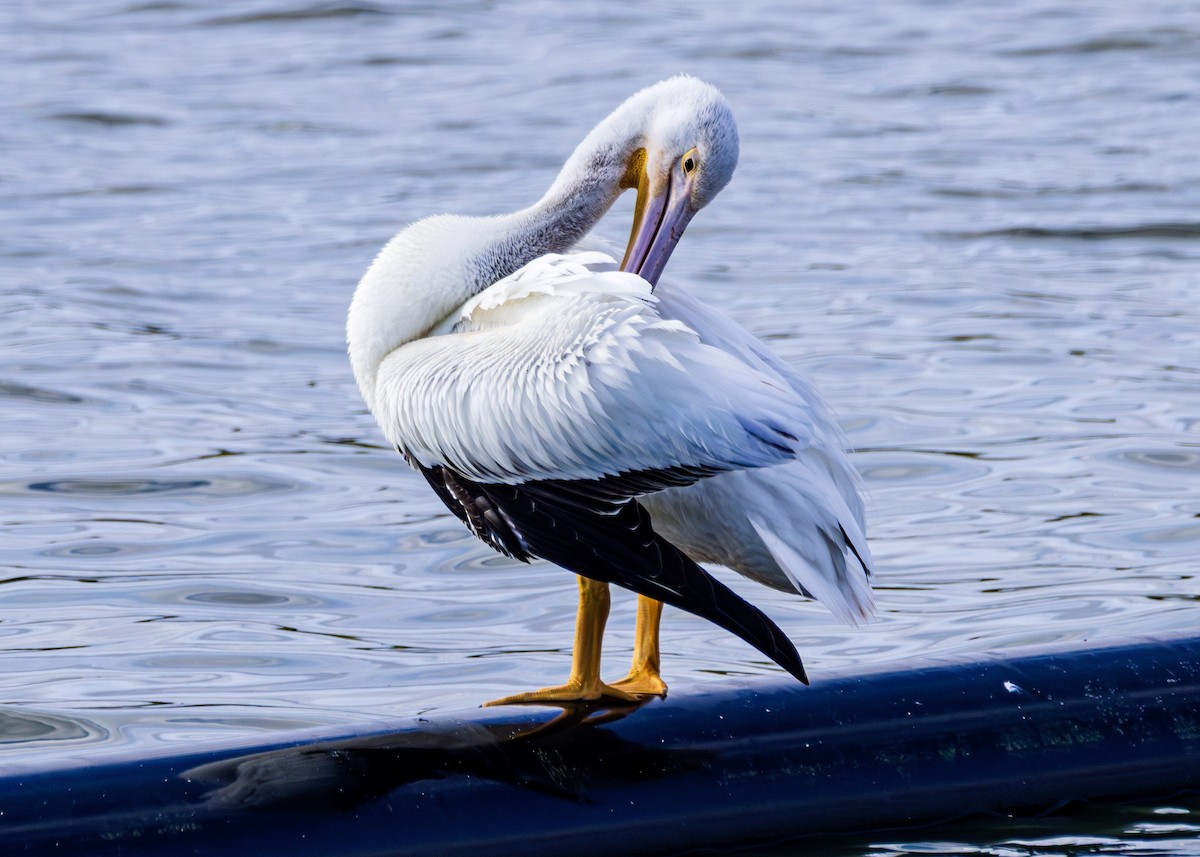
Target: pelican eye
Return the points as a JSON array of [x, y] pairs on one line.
[[689, 164]]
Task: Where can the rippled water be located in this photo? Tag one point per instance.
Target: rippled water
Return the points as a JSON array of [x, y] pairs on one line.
[[976, 227]]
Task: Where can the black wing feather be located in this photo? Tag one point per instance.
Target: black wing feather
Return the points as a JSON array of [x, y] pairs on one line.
[[475, 509], [595, 529], [613, 541]]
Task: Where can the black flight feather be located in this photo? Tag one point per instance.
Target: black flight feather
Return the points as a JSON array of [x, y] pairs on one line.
[[596, 529]]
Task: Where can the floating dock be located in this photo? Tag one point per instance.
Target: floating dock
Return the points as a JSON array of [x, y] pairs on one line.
[[725, 765]]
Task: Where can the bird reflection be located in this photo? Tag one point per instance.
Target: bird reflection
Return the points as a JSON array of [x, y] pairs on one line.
[[556, 757]]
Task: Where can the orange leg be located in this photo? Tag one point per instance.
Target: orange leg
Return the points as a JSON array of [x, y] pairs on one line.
[[584, 683], [644, 678]]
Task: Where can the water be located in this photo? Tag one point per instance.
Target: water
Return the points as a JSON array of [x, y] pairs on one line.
[[974, 226]]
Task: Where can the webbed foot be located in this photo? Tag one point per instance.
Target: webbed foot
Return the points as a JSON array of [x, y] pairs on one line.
[[642, 682], [572, 691]]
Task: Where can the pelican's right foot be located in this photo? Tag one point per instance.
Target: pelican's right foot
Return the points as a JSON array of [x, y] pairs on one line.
[[572, 691]]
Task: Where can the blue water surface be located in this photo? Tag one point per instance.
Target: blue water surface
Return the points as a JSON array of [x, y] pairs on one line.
[[975, 226]]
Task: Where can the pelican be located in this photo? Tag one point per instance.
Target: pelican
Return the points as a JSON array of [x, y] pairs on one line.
[[568, 408]]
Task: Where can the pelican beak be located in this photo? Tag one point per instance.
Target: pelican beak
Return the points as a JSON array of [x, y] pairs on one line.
[[661, 213]]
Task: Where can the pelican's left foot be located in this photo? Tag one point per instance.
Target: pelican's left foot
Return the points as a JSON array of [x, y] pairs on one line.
[[643, 678], [643, 682], [572, 691]]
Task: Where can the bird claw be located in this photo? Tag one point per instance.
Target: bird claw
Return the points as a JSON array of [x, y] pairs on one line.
[[572, 691]]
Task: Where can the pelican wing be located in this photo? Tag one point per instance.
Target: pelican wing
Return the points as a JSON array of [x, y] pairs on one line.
[[475, 508], [797, 526], [566, 370], [722, 332]]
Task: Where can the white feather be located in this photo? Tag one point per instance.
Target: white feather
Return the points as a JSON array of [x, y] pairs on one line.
[[567, 370], [781, 526], [797, 526]]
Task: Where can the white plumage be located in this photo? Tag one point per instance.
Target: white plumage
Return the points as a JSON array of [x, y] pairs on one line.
[[543, 393], [566, 370], [792, 527]]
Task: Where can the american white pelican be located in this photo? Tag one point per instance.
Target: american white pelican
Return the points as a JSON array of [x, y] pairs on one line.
[[568, 410]]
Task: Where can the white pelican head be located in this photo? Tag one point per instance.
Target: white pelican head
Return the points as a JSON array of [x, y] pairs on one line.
[[687, 155], [676, 142]]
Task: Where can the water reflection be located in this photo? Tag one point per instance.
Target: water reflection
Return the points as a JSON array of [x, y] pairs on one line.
[[119, 488], [34, 729]]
